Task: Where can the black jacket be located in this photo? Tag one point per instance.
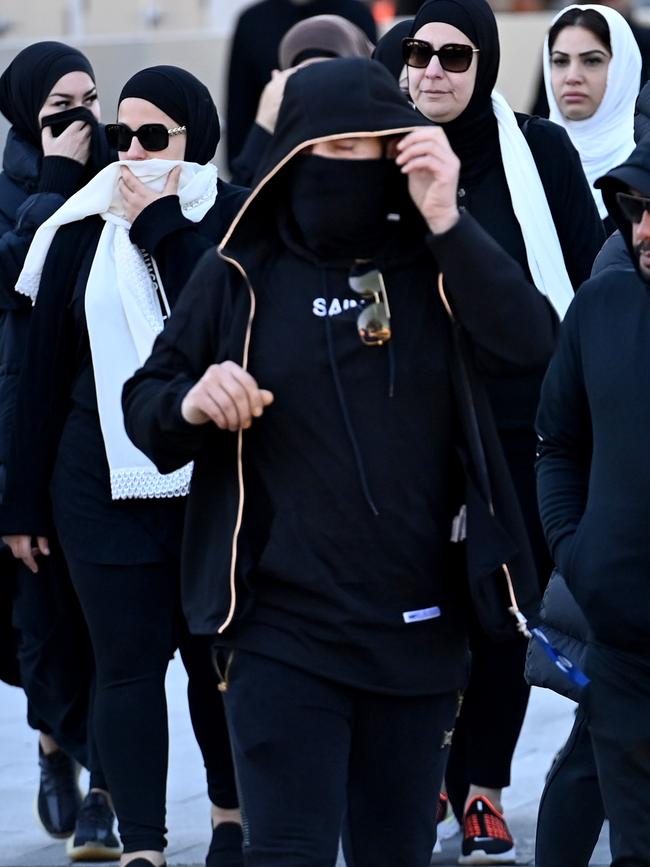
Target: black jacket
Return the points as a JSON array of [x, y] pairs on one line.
[[228, 311], [593, 469], [56, 385], [31, 190]]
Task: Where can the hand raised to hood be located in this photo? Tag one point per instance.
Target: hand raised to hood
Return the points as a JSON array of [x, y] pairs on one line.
[[432, 167], [227, 395]]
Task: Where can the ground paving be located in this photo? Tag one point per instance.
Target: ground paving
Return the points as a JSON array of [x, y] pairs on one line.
[[24, 844]]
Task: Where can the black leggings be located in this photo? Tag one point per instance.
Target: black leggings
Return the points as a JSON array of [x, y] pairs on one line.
[[55, 657], [308, 751], [491, 717], [134, 621]]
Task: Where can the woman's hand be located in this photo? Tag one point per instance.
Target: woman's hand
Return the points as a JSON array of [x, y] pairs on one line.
[[73, 143], [21, 548], [227, 395], [433, 170], [136, 195]]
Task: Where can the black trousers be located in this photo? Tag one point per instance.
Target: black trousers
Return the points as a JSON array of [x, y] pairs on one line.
[[571, 812], [55, 658], [491, 717], [619, 723], [313, 757], [135, 624]]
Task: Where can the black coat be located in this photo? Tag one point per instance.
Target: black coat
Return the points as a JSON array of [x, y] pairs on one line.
[[57, 386], [31, 190]]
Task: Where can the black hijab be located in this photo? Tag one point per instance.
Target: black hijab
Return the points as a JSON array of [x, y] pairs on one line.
[[186, 100], [27, 81], [474, 134], [389, 48]]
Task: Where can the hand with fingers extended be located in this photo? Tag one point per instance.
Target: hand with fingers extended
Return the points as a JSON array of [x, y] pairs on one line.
[[136, 195], [433, 169], [22, 549], [227, 395], [73, 143]]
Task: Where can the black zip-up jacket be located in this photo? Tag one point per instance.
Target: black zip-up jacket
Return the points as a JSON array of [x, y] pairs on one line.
[[254, 304], [593, 470]]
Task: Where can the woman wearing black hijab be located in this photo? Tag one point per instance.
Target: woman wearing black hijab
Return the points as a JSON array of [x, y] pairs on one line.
[[522, 181], [43, 165], [104, 273], [388, 51]]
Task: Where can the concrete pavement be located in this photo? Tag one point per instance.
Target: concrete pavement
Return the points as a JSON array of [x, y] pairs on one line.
[[24, 844]]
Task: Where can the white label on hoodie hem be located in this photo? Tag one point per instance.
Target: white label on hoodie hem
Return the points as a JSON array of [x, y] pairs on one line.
[[421, 614]]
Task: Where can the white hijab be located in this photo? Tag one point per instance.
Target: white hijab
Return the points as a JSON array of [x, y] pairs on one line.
[[606, 139], [124, 313]]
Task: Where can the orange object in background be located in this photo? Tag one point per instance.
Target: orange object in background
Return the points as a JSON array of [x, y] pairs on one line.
[[383, 11]]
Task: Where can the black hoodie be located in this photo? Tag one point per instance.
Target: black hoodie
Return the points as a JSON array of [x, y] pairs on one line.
[[593, 469], [320, 536]]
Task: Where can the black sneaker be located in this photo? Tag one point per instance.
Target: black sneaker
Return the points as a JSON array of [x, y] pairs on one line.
[[486, 838], [59, 797], [93, 838], [226, 846]]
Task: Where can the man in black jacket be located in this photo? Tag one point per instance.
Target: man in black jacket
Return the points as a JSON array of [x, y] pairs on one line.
[[310, 371], [594, 484]]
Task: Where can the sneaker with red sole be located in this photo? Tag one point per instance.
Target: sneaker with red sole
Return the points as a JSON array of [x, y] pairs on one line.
[[446, 823], [486, 838]]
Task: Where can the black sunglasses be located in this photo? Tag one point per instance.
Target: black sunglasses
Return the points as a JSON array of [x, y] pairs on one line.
[[633, 206], [152, 136], [373, 323], [453, 57]]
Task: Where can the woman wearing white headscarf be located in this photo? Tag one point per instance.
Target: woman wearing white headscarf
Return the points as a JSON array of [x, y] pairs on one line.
[[591, 65]]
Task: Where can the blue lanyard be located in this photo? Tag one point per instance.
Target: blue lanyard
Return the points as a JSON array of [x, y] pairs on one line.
[[560, 661]]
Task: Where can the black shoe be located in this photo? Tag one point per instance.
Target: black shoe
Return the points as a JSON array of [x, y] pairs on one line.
[[59, 797], [93, 838], [226, 846]]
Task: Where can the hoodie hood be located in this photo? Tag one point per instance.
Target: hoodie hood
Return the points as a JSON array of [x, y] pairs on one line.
[[634, 173], [335, 99]]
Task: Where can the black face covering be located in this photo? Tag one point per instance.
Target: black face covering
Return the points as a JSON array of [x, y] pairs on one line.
[[341, 206], [28, 80]]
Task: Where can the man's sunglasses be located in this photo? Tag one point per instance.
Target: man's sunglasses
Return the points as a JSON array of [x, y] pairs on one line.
[[633, 206], [152, 136], [453, 57], [373, 323]]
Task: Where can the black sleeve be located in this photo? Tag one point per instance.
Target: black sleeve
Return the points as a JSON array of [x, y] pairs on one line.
[[58, 180], [565, 443], [244, 166], [502, 312], [188, 345], [243, 87], [43, 392], [177, 243], [573, 208]]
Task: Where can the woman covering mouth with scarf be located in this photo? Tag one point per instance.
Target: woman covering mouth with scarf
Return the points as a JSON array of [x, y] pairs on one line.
[[104, 272]]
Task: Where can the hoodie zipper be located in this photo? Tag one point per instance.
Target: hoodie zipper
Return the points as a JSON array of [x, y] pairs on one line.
[[514, 607], [240, 443]]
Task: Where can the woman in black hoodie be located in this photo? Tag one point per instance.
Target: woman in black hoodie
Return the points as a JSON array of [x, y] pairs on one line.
[[317, 534]]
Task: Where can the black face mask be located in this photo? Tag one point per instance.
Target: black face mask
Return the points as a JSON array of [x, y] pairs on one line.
[[341, 207]]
